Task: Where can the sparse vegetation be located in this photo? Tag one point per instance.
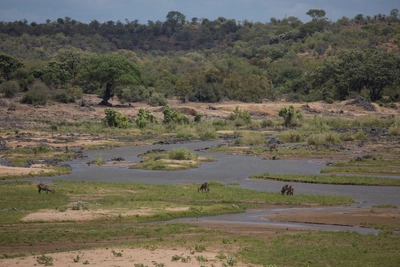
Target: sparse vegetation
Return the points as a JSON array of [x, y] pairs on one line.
[[330, 179], [246, 61]]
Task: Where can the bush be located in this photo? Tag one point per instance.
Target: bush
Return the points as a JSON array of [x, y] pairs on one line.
[[174, 116], [240, 116], [9, 89], [250, 138], [291, 137], [157, 99], [394, 130], [324, 138], [133, 93], [63, 97], [115, 119], [316, 124], [288, 114], [206, 131], [37, 95], [267, 123], [179, 153], [197, 117], [144, 117], [34, 98]]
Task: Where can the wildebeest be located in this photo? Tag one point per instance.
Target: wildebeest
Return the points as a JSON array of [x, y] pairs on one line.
[[284, 188], [288, 189], [204, 187], [44, 187], [272, 146]]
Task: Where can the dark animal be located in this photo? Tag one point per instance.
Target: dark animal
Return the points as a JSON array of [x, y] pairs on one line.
[[288, 189], [284, 189], [204, 187], [272, 146], [44, 187]]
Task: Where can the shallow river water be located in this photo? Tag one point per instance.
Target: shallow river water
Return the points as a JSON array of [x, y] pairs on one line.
[[226, 169]]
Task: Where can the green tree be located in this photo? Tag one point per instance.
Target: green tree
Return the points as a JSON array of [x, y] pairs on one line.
[[110, 70], [355, 70], [71, 58], [174, 18], [394, 13], [316, 13], [8, 65]]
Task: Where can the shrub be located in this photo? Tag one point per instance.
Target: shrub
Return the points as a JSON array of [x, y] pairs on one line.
[[219, 124], [157, 99], [289, 114], [9, 89], [251, 138], [267, 123], [197, 117], [238, 115], [115, 119], [144, 117], [179, 153], [34, 98], [324, 138], [394, 130], [316, 124], [63, 97], [206, 131], [174, 116], [291, 137], [133, 93]]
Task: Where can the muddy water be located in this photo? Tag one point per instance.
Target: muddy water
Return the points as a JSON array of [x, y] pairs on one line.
[[226, 169]]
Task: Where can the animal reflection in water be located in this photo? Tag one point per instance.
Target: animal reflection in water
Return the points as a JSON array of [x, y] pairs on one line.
[[204, 187], [288, 189], [44, 187]]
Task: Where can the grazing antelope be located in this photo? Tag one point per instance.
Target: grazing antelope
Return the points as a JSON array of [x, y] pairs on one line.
[[288, 189], [284, 188], [44, 187], [204, 187], [272, 146]]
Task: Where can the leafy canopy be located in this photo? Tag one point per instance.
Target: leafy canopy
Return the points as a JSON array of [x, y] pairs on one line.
[[110, 70]]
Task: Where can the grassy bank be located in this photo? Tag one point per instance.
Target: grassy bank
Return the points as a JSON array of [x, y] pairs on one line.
[[164, 201], [329, 179], [279, 249]]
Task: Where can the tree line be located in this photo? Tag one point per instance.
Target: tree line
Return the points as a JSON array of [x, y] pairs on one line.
[[203, 60]]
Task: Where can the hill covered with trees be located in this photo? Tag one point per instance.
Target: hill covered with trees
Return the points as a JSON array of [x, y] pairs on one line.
[[202, 60]]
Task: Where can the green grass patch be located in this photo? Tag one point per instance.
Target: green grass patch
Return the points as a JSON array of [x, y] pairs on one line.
[[250, 138], [175, 159], [322, 249], [329, 179], [324, 138], [291, 136], [20, 198], [370, 161], [363, 170]]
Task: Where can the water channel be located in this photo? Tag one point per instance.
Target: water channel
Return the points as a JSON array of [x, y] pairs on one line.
[[227, 169]]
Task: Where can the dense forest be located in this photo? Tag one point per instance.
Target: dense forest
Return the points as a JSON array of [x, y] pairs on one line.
[[202, 60]]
